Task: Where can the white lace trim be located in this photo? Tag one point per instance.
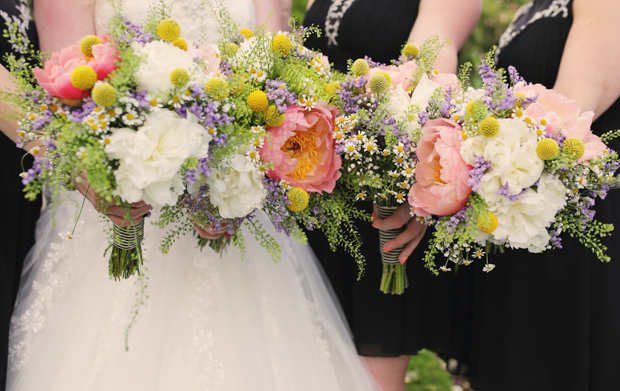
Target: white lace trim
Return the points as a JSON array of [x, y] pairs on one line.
[[332, 21], [557, 7], [23, 22], [63, 254]]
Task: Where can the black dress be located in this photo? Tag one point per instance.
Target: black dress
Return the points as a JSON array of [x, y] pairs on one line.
[[548, 321], [17, 215], [382, 325]]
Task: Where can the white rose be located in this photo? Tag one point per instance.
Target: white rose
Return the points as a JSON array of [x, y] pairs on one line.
[[401, 104], [237, 189], [158, 61], [513, 155], [150, 158], [523, 223]]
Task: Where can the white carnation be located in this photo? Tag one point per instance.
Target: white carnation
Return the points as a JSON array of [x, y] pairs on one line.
[[401, 104], [237, 189], [150, 158], [513, 155], [523, 223], [158, 61]]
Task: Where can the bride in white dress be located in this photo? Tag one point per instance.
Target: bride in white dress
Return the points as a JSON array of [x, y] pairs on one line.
[[194, 320]]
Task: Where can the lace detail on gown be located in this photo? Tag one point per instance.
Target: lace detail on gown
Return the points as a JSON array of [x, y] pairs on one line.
[[194, 16]]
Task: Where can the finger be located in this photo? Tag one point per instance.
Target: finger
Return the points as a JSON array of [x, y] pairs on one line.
[[400, 217], [138, 204], [120, 221], [412, 232], [139, 212], [412, 245], [206, 234]]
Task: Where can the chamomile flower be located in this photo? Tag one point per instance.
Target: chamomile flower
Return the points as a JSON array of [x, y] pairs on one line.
[[114, 113], [400, 197], [399, 161], [350, 148], [81, 153], [478, 253], [393, 174], [257, 74], [307, 101], [257, 129], [252, 155], [488, 267], [403, 185], [467, 262], [399, 149], [445, 269], [258, 142], [105, 140], [154, 103], [131, 118], [212, 131], [408, 172], [361, 196], [175, 101], [371, 146]]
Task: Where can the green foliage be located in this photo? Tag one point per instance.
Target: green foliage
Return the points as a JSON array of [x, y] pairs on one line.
[[427, 372]]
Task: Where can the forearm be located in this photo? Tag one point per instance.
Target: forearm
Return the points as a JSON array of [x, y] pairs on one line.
[[269, 13], [61, 23]]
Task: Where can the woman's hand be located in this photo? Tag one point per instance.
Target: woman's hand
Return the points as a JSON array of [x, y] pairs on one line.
[[114, 212], [410, 238], [211, 232]]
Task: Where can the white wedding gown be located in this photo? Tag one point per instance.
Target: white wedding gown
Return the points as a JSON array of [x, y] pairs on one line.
[[193, 321]]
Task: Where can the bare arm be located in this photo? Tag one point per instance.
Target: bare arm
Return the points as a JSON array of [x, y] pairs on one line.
[[269, 9], [61, 23], [450, 19], [590, 67]]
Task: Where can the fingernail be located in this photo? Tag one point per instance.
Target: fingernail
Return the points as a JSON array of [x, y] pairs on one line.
[[387, 249], [373, 216], [402, 261], [375, 225]]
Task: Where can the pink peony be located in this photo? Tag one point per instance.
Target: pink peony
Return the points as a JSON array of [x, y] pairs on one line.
[[441, 173], [401, 74], [563, 116], [55, 77], [302, 149], [207, 53]]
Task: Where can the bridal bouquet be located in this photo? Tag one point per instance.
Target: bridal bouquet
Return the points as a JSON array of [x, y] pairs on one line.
[[276, 152], [128, 109], [510, 165]]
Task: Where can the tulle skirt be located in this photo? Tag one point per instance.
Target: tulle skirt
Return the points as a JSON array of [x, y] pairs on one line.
[[192, 321]]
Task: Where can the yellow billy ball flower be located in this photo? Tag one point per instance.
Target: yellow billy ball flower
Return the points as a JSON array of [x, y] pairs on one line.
[[332, 87], [299, 199], [379, 84], [574, 147], [180, 43], [489, 127], [230, 49], [487, 223], [179, 77], [470, 108], [410, 50], [272, 117], [257, 101], [547, 149], [247, 33], [217, 89], [83, 77], [281, 45], [360, 67], [236, 84], [104, 95], [168, 30], [387, 76], [87, 43]]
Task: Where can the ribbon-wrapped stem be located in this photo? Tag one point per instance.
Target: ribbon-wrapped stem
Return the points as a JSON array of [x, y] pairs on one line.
[[394, 278], [126, 255]]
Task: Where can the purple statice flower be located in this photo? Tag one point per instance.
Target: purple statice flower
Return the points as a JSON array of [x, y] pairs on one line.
[[34, 172], [78, 113], [556, 240], [514, 75], [134, 32], [50, 145], [422, 118], [225, 68], [203, 167], [191, 176], [373, 64], [277, 201], [350, 93], [498, 95], [481, 166], [278, 93], [505, 191]]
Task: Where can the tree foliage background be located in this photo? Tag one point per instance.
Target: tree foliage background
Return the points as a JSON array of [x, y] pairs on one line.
[[496, 15]]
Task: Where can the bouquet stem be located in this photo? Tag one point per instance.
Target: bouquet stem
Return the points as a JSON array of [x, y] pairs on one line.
[[394, 278], [219, 245], [126, 256]]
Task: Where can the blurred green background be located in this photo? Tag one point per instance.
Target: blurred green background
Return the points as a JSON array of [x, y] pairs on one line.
[[426, 371], [496, 15]]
